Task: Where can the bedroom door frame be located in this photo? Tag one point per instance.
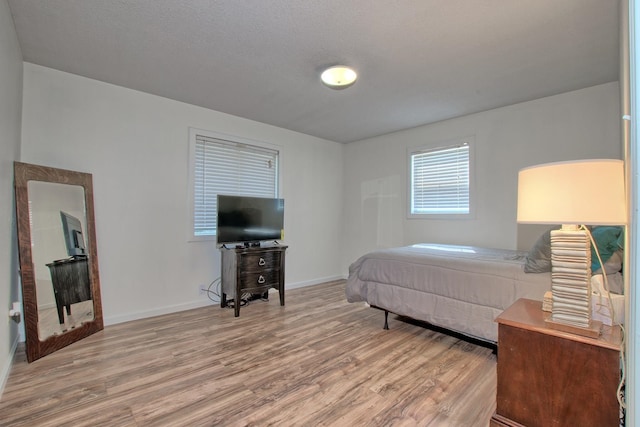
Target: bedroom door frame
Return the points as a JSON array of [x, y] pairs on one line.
[[630, 98]]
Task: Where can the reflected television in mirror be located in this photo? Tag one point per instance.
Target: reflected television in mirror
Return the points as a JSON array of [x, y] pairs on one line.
[[73, 238]]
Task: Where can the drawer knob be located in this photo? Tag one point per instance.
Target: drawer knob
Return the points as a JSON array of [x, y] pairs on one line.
[[262, 262], [261, 279]]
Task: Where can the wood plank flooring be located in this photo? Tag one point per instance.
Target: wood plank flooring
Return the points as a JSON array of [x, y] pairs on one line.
[[318, 361]]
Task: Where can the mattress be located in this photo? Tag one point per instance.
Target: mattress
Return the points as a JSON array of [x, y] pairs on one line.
[[462, 288]]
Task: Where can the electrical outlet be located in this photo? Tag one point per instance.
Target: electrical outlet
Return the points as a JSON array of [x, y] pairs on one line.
[[14, 313], [203, 289]]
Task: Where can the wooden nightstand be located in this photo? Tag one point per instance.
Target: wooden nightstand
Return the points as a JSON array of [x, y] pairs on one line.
[[251, 270], [548, 377]]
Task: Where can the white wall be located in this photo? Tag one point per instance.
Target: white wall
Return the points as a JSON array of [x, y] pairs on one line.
[[136, 147], [575, 125], [10, 116]]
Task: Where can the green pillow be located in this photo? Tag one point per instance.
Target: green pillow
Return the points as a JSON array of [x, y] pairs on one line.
[[608, 240]]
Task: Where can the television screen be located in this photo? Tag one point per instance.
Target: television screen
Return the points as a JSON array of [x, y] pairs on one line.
[[244, 219], [73, 238]]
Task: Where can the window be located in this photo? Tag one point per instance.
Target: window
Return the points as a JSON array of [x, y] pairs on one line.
[[222, 166], [440, 181]]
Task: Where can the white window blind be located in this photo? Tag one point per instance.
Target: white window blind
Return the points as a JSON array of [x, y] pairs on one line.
[[440, 181], [230, 168]]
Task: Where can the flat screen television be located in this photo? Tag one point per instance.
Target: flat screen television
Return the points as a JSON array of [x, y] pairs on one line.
[[249, 220], [73, 238]]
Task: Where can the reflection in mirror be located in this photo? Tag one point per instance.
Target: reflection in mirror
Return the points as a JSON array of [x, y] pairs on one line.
[[63, 291], [58, 257]]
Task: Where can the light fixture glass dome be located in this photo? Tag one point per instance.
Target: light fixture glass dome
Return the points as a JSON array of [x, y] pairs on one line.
[[339, 77]]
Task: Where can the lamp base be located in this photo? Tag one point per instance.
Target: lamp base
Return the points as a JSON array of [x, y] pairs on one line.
[[571, 282], [592, 331]]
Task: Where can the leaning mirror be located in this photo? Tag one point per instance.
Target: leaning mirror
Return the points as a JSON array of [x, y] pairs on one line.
[[58, 257]]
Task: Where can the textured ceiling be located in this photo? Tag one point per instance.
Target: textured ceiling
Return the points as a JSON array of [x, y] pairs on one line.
[[420, 61]]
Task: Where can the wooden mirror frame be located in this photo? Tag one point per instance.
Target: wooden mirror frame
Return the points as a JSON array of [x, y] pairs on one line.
[[23, 173]]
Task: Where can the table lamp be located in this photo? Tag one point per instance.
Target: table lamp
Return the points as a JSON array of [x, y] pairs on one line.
[[574, 194]]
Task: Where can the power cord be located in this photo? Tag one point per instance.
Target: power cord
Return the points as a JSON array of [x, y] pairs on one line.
[[245, 299], [619, 392], [214, 293]]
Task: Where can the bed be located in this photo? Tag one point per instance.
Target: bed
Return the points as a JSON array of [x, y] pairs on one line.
[[464, 288], [460, 288]]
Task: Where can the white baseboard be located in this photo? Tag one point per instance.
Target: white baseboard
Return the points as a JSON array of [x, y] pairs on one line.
[[6, 369], [121, 318], [313, 282]]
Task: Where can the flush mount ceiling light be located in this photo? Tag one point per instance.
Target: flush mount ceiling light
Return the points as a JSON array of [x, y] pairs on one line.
[[339, 77]]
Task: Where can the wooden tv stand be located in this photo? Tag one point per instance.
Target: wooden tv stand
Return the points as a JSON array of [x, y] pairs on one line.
[[251, 270]]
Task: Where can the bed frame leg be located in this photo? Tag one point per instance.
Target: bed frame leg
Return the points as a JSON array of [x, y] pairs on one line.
[[386, 320]]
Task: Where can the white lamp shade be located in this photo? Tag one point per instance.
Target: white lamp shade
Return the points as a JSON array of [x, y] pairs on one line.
[[589, 192]]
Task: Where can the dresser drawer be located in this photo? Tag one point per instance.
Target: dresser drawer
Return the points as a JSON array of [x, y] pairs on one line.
[[260, 261], [259, 280]]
